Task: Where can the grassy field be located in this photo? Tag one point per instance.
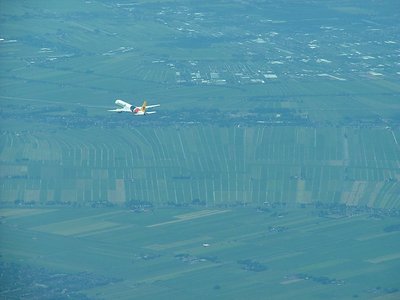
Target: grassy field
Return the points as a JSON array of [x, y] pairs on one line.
[[160, 252]]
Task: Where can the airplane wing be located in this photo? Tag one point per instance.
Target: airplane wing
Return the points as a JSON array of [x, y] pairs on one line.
[[119, 110], [151, 106]]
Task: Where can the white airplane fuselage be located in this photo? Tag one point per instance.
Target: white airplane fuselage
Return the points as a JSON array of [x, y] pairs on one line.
[[135, 110], [130, 108], [123, 104]]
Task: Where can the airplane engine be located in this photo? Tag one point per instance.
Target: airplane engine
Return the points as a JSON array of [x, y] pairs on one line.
[[135, 110]]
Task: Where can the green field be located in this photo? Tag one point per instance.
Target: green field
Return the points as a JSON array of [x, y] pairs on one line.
[[270, 171], [161, 252], [208, 165]]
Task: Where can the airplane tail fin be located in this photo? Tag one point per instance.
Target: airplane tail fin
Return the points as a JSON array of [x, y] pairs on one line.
[[144, 106]]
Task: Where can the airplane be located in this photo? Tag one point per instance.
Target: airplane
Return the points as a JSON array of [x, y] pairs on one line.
[[135, 110]]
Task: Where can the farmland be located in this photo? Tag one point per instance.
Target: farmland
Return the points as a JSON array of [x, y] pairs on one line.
[[122, 254], [271, 169], [202, 165]]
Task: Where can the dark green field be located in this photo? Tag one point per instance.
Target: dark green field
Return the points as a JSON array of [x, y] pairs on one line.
[[276, 145]]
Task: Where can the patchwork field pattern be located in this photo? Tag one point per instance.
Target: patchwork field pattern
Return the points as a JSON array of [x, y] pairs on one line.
[[271, 169], [300, 253], [203, 165], [251, 111]]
